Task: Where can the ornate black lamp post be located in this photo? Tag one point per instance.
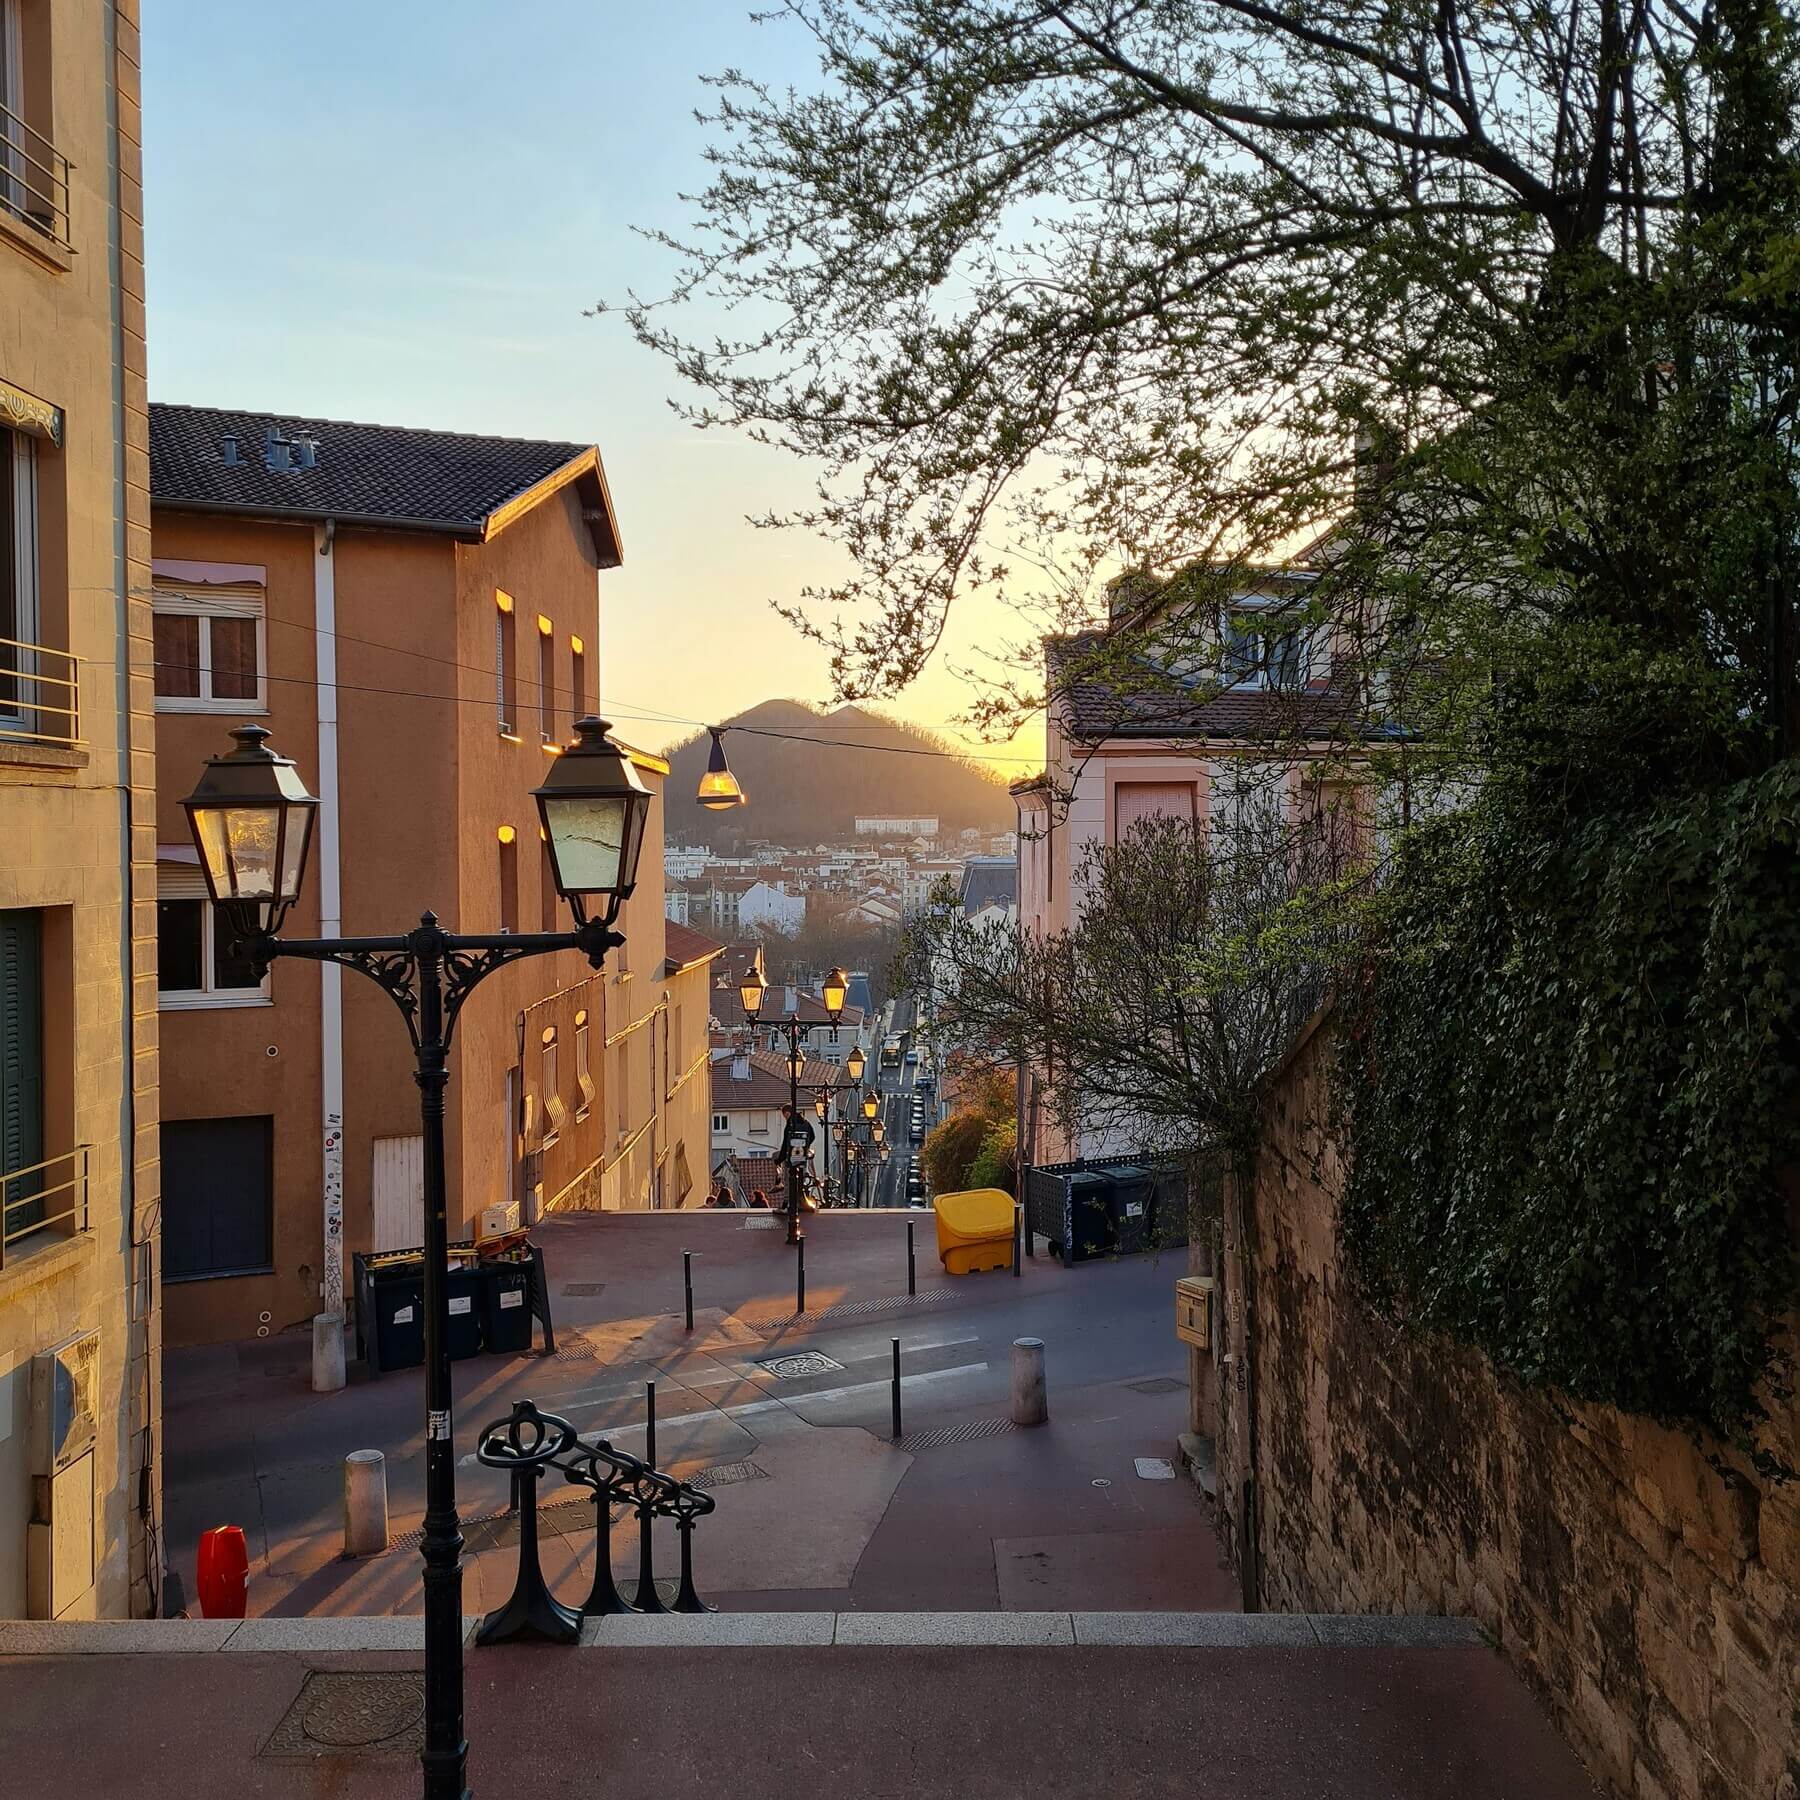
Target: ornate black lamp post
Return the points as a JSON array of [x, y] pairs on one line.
[[833, 991], [251, 819]]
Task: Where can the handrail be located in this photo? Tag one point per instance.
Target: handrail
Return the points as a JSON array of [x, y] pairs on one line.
[[24, 718], [39, 1195], [48, 187]]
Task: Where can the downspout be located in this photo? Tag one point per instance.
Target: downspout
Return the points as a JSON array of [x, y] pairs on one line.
[[328, 1327], [141, 1275]]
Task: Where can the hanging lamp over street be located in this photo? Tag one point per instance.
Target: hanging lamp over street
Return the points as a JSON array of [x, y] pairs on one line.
[[719, 790]]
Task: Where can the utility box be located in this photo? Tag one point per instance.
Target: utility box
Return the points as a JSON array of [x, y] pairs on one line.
[[59, 1549], [1194, 1311]]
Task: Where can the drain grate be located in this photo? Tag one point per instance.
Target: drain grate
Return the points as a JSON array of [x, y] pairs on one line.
[[352, 1713], [727, 1475], [801, 1364], [583, 1290], [855, 1309], [759, 1224], [946, 1435], [1157, 1384]]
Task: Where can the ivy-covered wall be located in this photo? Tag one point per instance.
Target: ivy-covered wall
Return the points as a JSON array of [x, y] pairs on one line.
[[1646, 1583]]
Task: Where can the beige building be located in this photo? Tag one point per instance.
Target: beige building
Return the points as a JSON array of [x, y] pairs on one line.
[[80, 1416], [414, 617]]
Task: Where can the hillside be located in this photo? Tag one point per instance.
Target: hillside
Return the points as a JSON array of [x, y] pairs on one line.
[[808, 793]]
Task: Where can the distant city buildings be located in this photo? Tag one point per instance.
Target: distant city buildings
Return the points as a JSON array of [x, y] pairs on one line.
[[882, 827]]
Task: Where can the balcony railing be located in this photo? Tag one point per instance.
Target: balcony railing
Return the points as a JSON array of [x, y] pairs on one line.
[[40, 702], [51, 1196], [34, 179]]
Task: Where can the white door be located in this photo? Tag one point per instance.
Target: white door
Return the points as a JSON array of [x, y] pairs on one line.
[[399, 1193]]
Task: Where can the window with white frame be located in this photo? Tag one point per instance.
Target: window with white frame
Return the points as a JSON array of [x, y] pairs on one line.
[[211, 649], [18, 573], [584, 1075], [721, 1122], [196, 962], [556, 1115], [1264, 647], [759, 1124]]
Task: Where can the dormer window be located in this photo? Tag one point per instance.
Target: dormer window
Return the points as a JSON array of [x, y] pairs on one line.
[[1263, 647]]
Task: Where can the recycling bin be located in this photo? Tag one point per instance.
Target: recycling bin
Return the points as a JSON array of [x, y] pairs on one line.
[[463, 1303], [1088, 1221], [1131, 1208], [396, 1292], [506, 1306]]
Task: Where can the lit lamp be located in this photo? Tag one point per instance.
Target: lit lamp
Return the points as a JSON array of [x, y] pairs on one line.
[[834, 991], [878, 1133], [251, 819], [820, 1105], [719, 790], [594, 805], [837, 1132], [796, 1062], [871, 1106], [750, 992], [854, 1062]]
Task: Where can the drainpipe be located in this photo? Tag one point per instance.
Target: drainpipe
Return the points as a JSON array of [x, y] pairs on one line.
[[328, 1326]]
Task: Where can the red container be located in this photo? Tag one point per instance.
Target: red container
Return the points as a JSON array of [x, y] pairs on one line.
[[224, 1568]]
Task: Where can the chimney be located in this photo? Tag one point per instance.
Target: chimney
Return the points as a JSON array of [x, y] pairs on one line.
[[740, 1065], [277, 452], [791, 998], [228, 451]]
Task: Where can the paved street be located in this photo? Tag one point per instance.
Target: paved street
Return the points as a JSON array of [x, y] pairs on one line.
[[817, 1508]]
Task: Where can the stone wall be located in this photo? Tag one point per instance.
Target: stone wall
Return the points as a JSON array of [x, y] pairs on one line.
[[1647, 1585]]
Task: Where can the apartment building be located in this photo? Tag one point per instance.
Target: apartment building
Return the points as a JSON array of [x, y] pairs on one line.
[[414, 616], [80, 1356]]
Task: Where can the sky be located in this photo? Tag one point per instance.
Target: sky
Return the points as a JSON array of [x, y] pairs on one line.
[[397, 212]]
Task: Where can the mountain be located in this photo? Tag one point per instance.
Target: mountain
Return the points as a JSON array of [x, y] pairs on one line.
[[812, 791]]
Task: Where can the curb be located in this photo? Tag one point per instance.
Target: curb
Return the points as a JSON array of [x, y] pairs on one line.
[[751, 1630]]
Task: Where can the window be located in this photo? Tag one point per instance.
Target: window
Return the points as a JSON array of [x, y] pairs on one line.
[[556, 1115], [509, 878], [218, 1197], [196, 964], [1135, 800], [578, 677], [18, 575], [584, 1078], [759, 1123], [210, 650], [546, 680], [721, 1122], [21, 1071], [1263, 647], [34, 178], [505, 687]]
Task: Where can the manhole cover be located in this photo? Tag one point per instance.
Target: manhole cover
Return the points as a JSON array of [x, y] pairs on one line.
[[803, 1362], [759, 1224], [1154, 1468], [727, 1475], [341, 1713], [583, 1290]]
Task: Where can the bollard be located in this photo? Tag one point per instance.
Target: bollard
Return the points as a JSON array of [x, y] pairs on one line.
[[328, 1353], [650, 1423], [1018, 1238], [897, 1432], [365, 1503], [800, 1279], [687, 1282], [912, 1276], [1030, 1399]]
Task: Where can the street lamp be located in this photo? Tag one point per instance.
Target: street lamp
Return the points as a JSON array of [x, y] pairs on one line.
[[878, 1134], [719, 790], [853, 1063], [871, 1105], [751, 992], [251, 819]]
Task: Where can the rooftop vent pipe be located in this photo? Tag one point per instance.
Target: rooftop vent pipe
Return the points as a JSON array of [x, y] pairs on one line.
[[228, 451], [277, 451]]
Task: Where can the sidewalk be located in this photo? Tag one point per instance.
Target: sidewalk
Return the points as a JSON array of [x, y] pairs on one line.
[[1415, 1713]]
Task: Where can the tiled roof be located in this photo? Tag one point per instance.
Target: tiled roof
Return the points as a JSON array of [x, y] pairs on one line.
[[445, 481], [1094, 708], [748, 1173], [989, 881], [683, 948], [766, 1084]]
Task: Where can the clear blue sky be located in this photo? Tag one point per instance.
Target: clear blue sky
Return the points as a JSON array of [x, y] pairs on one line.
[[397, 211]]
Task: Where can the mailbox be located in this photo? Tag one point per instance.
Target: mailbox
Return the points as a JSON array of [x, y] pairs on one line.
[[1194, 1311]]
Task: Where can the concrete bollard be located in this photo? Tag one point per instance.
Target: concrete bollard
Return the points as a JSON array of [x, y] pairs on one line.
[[328, 1352], [365, 1503], [1030, 1398]]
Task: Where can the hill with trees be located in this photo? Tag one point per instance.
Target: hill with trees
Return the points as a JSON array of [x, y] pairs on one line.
[[810, 787]]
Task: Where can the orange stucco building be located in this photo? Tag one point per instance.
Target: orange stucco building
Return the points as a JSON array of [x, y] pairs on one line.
[[414, 617]]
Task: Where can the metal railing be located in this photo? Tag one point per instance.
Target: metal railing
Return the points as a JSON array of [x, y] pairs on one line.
[[34, 179], [42, 1199], [40, 699]]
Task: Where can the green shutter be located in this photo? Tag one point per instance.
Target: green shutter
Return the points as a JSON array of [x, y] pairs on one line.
[[21, 1067]]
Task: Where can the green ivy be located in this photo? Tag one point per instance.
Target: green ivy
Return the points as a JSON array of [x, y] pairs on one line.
[[1571, 1080]]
